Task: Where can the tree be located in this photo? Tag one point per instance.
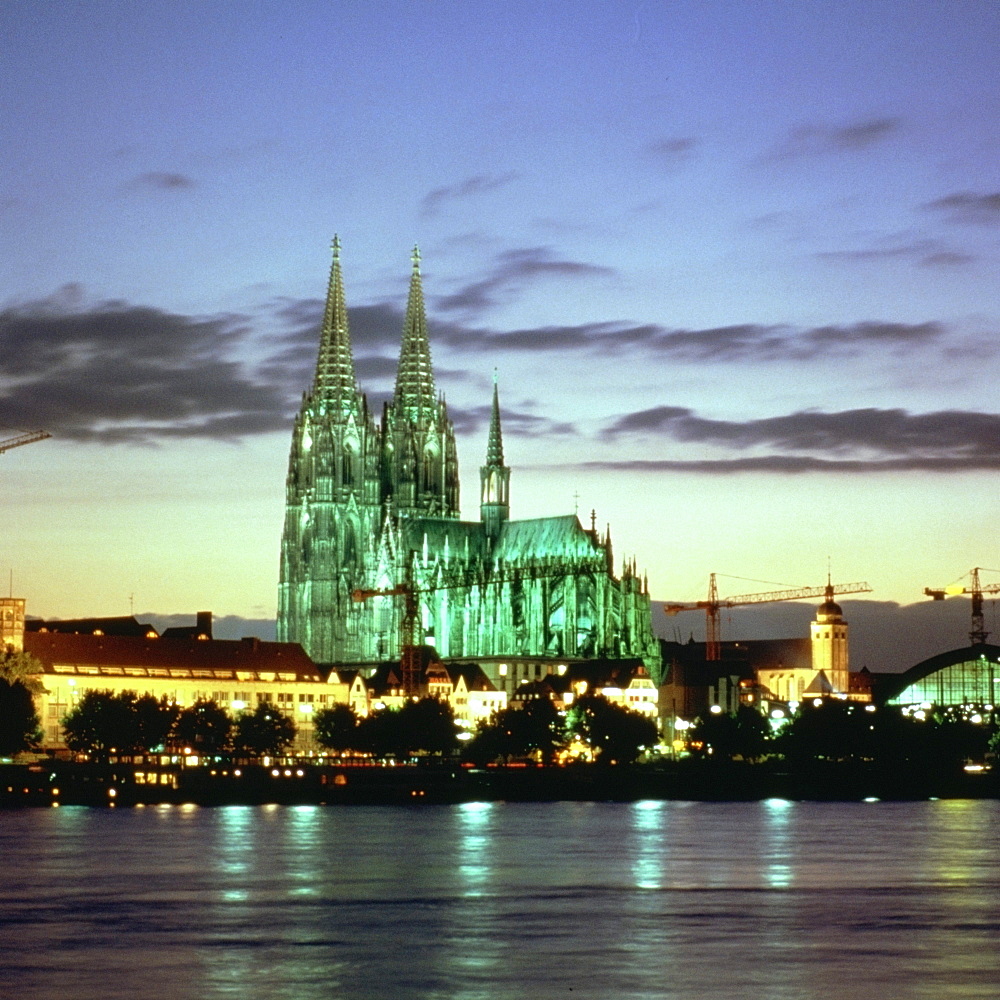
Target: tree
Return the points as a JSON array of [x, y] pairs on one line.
[[17, 665], [203, 727], [515, 733], [832, 730], [263, 731], [101, 723], [19, 723], [744, 733], [427, 724], [615, 734], [155, 718], [336, 728]]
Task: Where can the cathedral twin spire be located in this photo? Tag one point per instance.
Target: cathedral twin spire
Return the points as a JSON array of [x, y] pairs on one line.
[[415, 394], [419, 464], [335, 382]]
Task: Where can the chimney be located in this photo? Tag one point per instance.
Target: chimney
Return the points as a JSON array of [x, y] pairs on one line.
[[204, 624]]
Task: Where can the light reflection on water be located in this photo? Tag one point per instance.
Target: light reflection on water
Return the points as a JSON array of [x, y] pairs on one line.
[[777, 900]]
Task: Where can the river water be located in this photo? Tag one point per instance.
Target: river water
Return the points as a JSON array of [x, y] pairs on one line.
[[772, 900]]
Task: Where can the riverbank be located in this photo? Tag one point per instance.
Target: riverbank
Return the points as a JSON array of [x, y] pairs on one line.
[[120, 784]]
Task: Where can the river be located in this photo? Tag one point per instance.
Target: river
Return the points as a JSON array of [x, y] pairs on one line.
[[494, 901]]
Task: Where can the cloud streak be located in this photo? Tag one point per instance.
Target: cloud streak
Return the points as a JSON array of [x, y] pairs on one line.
[[512, 272], [163, 181], [120, 373], [824, 140], [847, 441], [968, 208], [743, 342], [924, 253], [478, 184]]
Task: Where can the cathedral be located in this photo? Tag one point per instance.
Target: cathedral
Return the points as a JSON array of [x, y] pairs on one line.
[[376, 560]]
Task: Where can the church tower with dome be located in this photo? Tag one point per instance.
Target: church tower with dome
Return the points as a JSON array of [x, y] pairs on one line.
[[828, 635]]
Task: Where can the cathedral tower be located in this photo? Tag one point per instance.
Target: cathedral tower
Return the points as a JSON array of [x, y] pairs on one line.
[[332, 495], [420, 462]]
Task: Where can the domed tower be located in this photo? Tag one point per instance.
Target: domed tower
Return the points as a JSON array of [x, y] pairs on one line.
[[829, 642]]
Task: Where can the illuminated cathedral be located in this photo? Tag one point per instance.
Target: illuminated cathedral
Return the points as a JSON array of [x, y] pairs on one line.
[[374, 548]]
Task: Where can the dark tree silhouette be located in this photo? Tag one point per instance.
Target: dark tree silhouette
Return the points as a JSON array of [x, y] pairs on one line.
[[19, 724], [515, 733], [103, 722], [744, 734], [615, 734], [155, 718], [264, 731], [336, 728], [203, 727]]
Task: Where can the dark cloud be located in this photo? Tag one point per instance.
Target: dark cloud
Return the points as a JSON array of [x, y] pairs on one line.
[[966, 207], [475, 185], [820, 140], [511, 272], [791, 465], [163, 181], [115, 372], [722, 344], [516, 423], [671, 152], [925, 253], [847, 441]]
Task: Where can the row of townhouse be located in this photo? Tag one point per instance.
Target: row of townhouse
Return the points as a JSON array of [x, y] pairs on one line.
[[187, 664]]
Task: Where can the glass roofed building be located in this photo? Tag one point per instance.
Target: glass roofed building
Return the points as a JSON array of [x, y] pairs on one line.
[[374, 548], [960, 678]]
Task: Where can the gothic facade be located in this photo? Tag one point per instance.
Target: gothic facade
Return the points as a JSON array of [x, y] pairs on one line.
[[374, 554]]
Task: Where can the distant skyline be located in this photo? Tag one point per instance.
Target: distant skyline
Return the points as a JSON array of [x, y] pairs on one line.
[[735, 266]]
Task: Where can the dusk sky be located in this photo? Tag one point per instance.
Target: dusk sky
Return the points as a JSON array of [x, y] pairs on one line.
[[734, 263]]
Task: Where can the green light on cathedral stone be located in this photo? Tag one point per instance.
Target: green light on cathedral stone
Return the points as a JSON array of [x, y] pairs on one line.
[[375, 507]]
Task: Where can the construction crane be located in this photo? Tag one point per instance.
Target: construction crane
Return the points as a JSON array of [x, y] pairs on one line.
[[978, 633], [28, 437], [409, 655], [410, 639], [712, 606]]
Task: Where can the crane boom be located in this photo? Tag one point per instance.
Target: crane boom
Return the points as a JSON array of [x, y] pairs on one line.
[[978, 633], [712, 606], [29, 437]]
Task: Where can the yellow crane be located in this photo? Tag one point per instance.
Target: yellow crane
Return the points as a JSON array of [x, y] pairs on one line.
[[712, 606], [28, 437], [978, 633]]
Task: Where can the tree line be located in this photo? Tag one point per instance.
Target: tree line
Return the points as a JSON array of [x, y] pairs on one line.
[[846, 731]]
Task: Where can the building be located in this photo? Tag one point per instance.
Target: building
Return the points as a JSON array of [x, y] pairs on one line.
[[375, 556], [827, 673], [966, 679], [121, 654]]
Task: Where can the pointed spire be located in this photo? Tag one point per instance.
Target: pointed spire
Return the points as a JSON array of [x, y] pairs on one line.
[[335, 379], [415, 378], [494, 445]]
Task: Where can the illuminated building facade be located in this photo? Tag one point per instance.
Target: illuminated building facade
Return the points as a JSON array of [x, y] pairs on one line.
[[966, 678], [828, 673], [374, 506], [828, 635]]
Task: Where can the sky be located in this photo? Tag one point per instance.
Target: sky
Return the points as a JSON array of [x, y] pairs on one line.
[[734, 264]]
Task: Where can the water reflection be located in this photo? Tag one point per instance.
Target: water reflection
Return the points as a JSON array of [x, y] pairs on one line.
[[693, 901], [648, 844], [777, 848]]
